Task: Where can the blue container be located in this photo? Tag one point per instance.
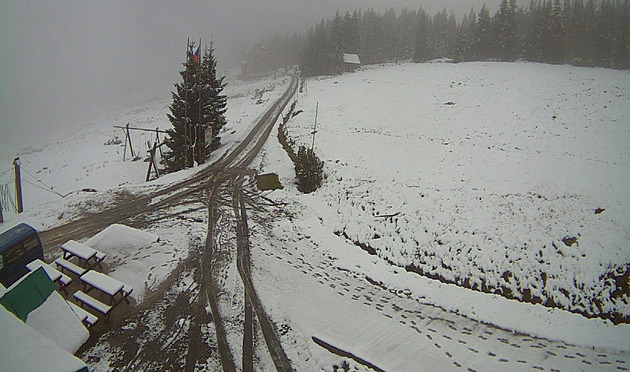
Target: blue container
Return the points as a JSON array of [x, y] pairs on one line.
[[18, 246]]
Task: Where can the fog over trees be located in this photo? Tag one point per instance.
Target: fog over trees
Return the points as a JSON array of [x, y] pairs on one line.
[[66, 61], [577, 32]]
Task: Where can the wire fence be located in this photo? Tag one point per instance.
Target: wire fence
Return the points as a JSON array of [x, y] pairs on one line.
[[6, 195], [8, 200], [39, 183]]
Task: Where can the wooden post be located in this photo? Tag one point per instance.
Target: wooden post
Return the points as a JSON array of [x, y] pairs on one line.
[[18, 185], [150, 165], [129, 138], [315, 126], [1, 217], [153, 163], [157, 140]]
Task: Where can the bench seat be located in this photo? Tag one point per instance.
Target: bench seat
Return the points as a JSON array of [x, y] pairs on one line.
[[67, 265], [65, 280], [92, 302], [86, 317]]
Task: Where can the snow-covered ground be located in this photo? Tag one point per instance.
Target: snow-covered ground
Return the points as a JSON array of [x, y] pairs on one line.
[[484, 168], [55, 174]]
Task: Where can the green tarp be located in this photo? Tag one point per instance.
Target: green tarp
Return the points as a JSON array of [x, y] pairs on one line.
[[28, 294]]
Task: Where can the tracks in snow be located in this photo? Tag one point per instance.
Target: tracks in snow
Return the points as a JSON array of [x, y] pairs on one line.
[[182, 338]]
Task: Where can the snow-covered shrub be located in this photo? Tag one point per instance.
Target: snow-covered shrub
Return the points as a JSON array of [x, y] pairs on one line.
[[309, 170]]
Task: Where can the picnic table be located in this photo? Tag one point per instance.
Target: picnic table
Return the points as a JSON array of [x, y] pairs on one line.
[[116, 290], [88, 256], [55, 275]]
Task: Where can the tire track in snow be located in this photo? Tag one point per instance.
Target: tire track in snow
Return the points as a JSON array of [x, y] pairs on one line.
[[468, 344]]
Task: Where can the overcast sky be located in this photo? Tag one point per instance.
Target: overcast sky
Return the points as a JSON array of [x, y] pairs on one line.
[[63, 62]]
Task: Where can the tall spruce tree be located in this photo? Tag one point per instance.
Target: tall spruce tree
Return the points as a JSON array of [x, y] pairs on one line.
[[422, 50], [198, 107], [506, 30], [215, 103], [336, 46], [185, 116]]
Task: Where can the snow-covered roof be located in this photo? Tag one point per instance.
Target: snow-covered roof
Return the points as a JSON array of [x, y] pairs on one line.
[[25, 349], [351, 58]]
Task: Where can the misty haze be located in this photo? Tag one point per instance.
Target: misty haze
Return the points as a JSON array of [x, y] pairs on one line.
[[353, 185]]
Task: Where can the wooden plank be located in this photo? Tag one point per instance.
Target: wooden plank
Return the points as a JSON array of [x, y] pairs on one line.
[[67, 265], [75, 248], [102, 282], [92, 302], [85, 316]]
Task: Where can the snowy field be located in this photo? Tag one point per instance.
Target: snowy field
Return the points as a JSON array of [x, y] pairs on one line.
[[55, 174], [484, 169], [475, 174], [487, 175]]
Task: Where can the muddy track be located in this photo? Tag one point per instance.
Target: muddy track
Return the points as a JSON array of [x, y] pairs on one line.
[[279, 357], [208, 186], [232, 172], [128, 206]]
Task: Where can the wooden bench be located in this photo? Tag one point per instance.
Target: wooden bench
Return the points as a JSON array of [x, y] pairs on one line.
[[64, 281], [86, 317], [87, 255], [56, 276], [127, 289], [92, 302], [67, 265]]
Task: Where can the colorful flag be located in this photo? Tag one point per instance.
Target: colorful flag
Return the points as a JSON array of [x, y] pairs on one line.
[[197, 53]]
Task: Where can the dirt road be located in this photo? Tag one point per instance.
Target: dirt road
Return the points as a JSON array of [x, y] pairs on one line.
[[192, 331]]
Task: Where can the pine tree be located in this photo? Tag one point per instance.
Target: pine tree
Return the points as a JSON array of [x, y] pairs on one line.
[[466, 35], [184, 116], [422, 51], [215, 103], [483, 35], [198, 107], [506, 28], [336, 46], [322, 50]]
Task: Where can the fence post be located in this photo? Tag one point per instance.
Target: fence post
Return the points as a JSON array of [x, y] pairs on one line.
[[1, 217], [18, 185]]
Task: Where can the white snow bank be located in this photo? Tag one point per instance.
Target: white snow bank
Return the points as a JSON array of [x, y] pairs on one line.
[[536, 320], [483, 191], [24, 349], [56, 320], [136, 258]]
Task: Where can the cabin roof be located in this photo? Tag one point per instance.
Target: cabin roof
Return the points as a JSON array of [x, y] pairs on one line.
[[351, 58]]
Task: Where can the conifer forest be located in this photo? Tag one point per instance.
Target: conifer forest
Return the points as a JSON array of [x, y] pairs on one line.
[[577, 32]]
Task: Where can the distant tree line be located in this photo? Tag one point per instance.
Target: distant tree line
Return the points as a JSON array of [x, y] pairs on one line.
[[577, 32]]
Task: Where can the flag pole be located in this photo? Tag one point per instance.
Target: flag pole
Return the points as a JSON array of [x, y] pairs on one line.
[[200, 125], [186, 106]]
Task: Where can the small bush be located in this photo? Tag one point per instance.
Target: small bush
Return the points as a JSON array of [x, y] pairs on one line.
[[309, 170]]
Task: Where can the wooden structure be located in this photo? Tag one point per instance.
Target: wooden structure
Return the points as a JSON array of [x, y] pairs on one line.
[[59, 278], [88, 257], [111, 288], [351, 62], [153, 171]]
